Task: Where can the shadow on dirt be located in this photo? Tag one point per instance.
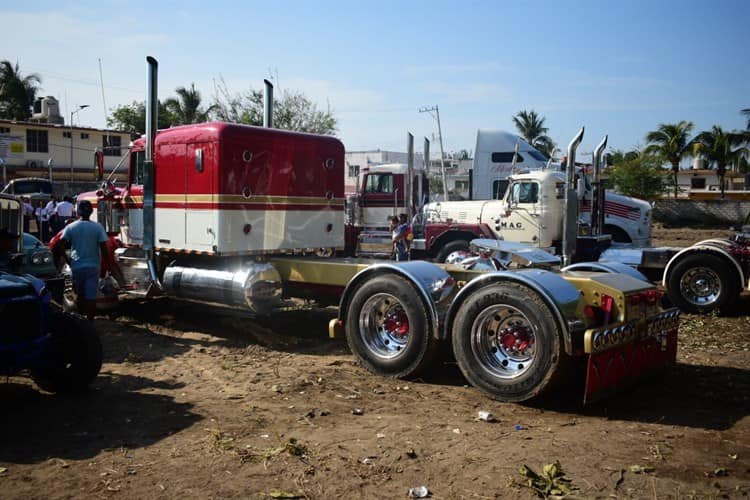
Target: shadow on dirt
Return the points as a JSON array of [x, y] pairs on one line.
[[148, 330], [703, 397], [112, 415]]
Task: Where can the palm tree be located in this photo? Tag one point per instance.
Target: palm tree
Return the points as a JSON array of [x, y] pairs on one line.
[[531, 128], [17, 92], [720, 149], [187, 109], [671, 141]]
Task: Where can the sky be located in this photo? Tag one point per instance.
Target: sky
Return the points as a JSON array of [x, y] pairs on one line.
[[619, 68]]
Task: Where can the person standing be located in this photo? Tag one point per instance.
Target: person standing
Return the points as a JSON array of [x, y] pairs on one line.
[[40, 214], [52, 218], [28, 214], [64, 211], [88, 246], [398, 236]]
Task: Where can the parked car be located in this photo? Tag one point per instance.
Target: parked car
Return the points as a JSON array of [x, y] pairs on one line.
[[60, 351], [38, 258], [35, 188]]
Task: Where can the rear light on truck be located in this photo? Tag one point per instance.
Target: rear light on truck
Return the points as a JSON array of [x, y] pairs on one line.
[[607, 303]]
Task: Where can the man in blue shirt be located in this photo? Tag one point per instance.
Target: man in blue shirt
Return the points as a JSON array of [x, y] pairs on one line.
[[87, 239]]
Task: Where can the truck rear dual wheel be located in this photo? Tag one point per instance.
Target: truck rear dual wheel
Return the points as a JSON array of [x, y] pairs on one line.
[[72, 358], [701, 283], [507, 343], [388, 328]]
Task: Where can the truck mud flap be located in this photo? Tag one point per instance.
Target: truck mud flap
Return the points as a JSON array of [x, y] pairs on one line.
[[615, 369]]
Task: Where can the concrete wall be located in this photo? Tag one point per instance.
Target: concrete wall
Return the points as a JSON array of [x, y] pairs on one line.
[[708, 213]]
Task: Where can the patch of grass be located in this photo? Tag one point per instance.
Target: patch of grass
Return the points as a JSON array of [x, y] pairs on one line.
[[550, 483]]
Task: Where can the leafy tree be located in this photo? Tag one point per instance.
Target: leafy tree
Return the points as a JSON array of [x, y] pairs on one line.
[[132, 118], [721, 149], [640, 176], [17, 92], [186, 108], [672, 142], [618, 156], [293, 111], [531, 128]]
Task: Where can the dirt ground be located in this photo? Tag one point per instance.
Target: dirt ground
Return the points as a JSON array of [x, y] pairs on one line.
[[202, 402]]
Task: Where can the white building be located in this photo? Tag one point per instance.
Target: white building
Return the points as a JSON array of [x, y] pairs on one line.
[[26, 148]]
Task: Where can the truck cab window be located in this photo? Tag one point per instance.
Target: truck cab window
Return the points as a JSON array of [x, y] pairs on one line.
[[506, 157], [136, 166], [379, 183]]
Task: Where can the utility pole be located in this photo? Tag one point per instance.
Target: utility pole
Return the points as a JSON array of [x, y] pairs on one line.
[[440, 137], [72, 113]]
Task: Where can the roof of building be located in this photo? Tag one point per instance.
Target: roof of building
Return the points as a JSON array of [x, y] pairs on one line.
[[60, 126]]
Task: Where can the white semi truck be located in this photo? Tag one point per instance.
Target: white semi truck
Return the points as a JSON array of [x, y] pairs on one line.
[[501, 155], [535, 210]]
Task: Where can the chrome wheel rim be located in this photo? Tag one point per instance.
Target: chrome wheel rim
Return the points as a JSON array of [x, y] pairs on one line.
[[700, 286], [503, 341], [384, 326], [69, 294]]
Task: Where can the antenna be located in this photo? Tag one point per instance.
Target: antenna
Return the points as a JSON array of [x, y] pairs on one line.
[[104, 101]]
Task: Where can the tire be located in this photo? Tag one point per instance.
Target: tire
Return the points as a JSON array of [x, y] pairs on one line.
[[507, 343], [701, 283], [387, 328], [72, 358], [618, 234], [450, 247]]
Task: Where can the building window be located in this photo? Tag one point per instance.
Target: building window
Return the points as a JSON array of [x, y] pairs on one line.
[[67, 135], [353, 170], [461, 185], [4, 130], [84, 135], [698, 182], [111, 145], [36, 141]]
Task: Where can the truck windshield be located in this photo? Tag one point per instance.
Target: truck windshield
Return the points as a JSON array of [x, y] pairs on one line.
[[379, 183], [28, 186], [499, 187], [525, 192]]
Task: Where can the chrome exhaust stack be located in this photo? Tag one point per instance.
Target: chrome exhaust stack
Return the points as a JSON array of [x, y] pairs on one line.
[[409, 184], [570, 218], [152, 115], [597, 198], [268, 105]]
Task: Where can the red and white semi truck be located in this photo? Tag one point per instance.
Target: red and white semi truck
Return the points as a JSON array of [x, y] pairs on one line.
[[234, 214]]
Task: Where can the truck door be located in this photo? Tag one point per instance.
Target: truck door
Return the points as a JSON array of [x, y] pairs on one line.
[[381, 194], [521, 220], [200, 199]]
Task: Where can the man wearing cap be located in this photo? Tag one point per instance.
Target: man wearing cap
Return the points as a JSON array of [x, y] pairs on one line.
[[87, 239]]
